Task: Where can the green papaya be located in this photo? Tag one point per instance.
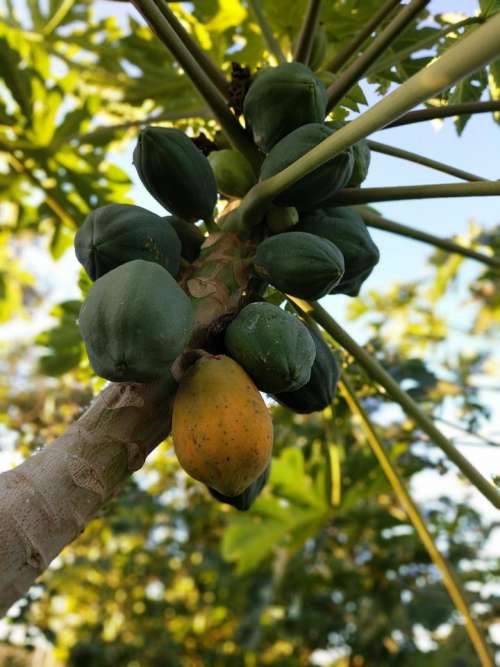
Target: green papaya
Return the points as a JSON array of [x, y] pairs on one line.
[[190, 236], [344, 226], [319, 392], [281, 99], [135, 322], [274, 347], [300, 264], [176, 173], [233, 174], [119, 233], [322, 182], [362, 157], [244, 500], [281, 218], [361, 154]]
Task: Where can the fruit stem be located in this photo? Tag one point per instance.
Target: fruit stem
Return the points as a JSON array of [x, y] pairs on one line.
[[380, 375]]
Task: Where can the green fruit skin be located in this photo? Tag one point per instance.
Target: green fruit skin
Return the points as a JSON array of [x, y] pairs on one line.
[[233, 174], [176, 173], [362, 156], [135, 322], [190, 236], [323, 182], [281, 99], [119, 233], [320, 391], [274, 347], [300, 264], [344, 226], [281, 218], [243, 501]]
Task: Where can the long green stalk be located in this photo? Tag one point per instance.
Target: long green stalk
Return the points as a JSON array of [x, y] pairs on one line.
[[426, 43], [475, 50], [210, 68], [342, 85], [364, 195], [445, 111], [450, 580], [304, 45], [231, 127], [267, 33], [343, 56], [380, 375], [378, 222], [424, 161]]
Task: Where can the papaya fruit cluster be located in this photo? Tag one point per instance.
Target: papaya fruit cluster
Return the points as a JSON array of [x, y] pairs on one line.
[[137, 319]]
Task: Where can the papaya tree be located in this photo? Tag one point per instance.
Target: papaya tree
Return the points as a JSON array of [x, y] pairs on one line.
[[261, 170]]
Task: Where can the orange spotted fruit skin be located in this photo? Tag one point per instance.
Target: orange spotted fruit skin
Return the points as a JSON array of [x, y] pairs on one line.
[[221, 427]]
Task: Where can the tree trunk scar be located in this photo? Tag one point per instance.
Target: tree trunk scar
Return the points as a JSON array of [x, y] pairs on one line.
[[125, 395], [86, 476], [34, 555]]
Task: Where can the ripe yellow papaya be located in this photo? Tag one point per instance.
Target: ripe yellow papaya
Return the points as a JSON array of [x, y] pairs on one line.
[[221, 427]]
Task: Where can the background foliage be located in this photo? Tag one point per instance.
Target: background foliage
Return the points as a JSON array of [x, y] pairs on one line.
[[325, 565]]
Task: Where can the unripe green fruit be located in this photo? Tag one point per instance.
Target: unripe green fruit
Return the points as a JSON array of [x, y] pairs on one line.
[[274, 347], [119, 233], [135, 322], [280, 100], [176, 173], [300, 264], [233, 174], [280, 219]]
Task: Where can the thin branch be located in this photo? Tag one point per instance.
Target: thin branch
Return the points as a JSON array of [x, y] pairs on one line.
[[380, 375], [58, 16], [267, 33], [306, 38], [458, 427], [450, 580], [378, 222], [210, 68], [50, 198], [91, 136], [426, 43], [235, 133], [341, 86], [425, 161], [351, 196], [476, 49], [343, 56], [445, 111]]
